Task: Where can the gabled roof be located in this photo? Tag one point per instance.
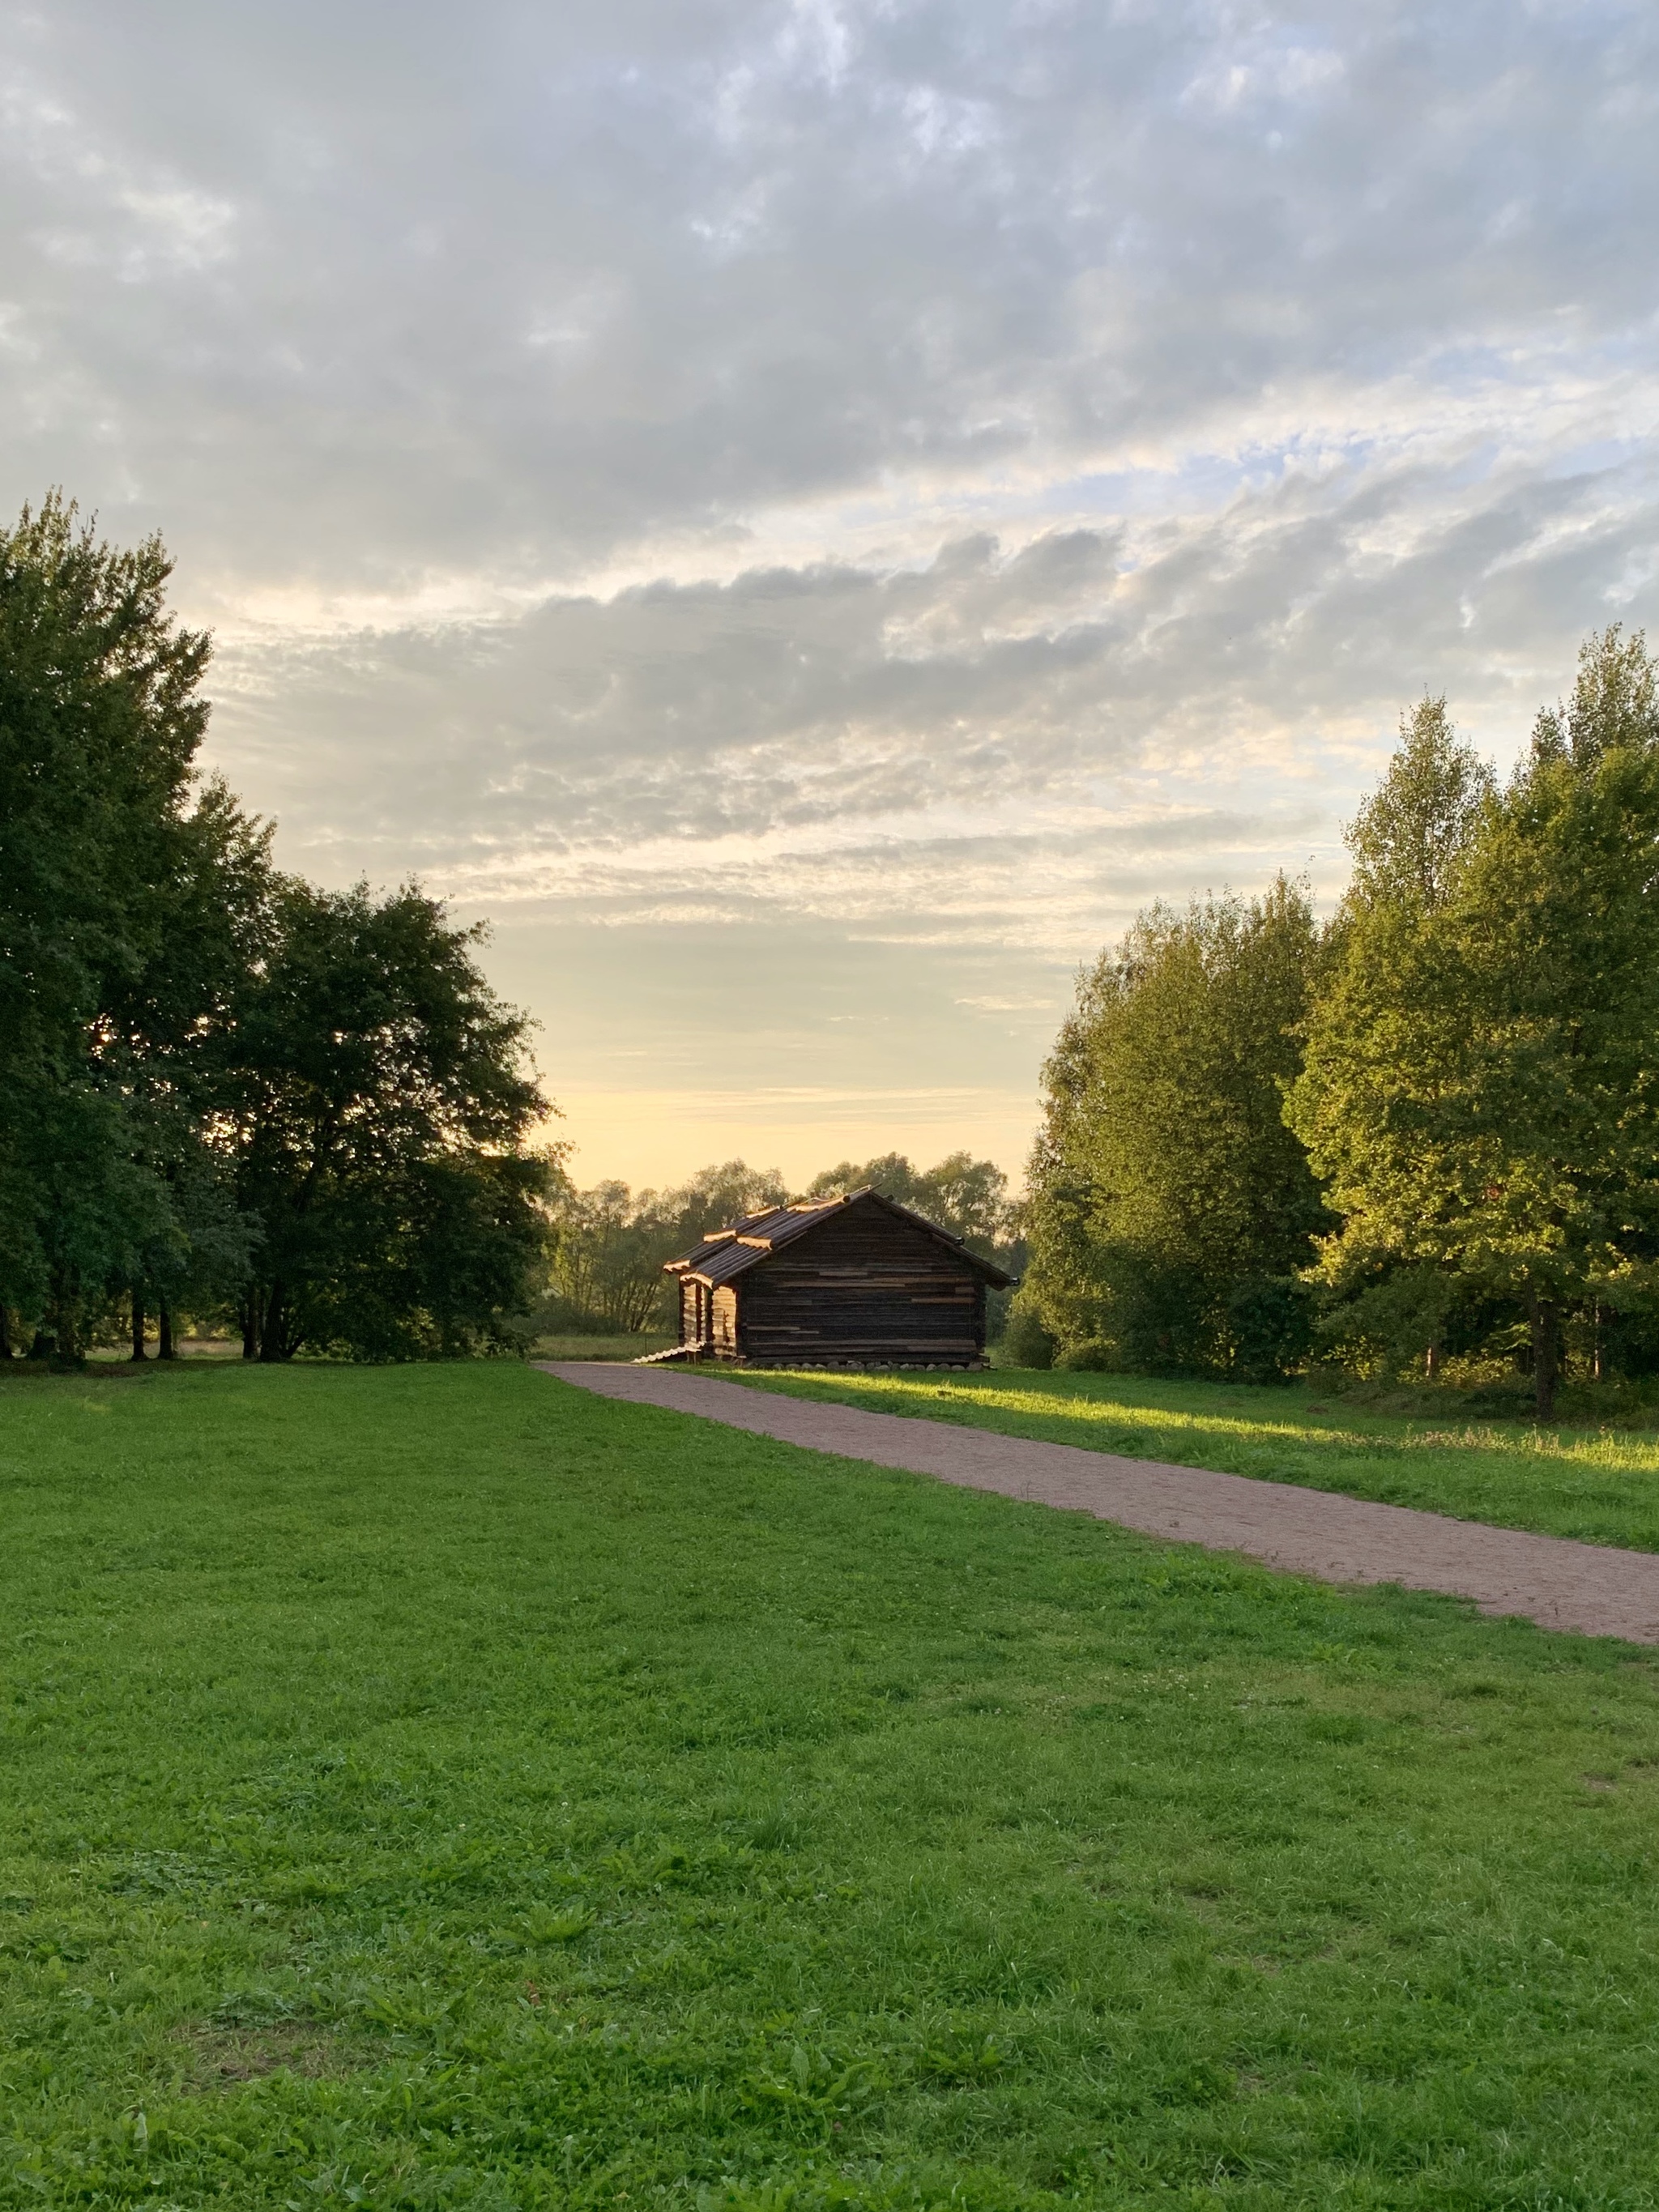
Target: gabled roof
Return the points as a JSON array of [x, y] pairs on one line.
[[723, 1253]]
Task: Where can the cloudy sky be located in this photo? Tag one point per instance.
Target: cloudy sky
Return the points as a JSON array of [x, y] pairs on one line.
[[807, 515]]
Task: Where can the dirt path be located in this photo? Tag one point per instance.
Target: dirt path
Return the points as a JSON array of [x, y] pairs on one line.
[[1548, 1579]]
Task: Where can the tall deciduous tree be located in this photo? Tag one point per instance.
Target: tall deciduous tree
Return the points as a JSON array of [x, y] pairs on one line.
[[216, 1081], [1481, 1084], [380, 1101], [1409, 838], [1171, 1208], [163, 1043], [1408, 841], [100, 717]]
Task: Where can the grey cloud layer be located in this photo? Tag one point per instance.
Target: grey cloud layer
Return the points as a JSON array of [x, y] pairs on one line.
[[364, 293], [907, 480], [815, 735]]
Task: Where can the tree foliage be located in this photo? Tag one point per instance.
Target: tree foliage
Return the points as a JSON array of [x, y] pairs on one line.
[[217, 1083], [99, 720], [611, 1242], [380, 1108], [1482, 1069], [1440, 1114], [1171, 1210]]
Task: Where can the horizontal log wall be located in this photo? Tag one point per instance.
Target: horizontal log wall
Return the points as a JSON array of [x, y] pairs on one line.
[[863, 1287]]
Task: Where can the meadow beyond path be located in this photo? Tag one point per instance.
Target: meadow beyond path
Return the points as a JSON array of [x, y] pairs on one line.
[[1559, 1583]]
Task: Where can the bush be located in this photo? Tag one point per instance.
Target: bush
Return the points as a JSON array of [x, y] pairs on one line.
[[1026, 1342], [1270, 1320], [1171, 1319], [1094, 1356]]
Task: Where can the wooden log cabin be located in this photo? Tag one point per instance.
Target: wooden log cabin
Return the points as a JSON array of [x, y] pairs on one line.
[[858, 1281]]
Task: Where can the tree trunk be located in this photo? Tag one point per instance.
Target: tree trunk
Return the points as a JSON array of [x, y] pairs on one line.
[[270, 1333], [1546, 1355], [61, 1319], [1431, 1363], [138, 1352], [164, 1332], [5, 1334], [250, 1317]]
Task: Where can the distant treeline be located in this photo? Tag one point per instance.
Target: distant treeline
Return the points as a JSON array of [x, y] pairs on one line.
[[224, 1093], [1421, 1139], [611, 1241]]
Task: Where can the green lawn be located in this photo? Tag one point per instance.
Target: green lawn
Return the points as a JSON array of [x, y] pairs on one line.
[[437, 1787], [601, 1348], [1601, 1486]]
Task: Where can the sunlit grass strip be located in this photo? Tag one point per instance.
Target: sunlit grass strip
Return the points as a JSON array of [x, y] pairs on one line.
[[1601, 1487], [1608, 1447]]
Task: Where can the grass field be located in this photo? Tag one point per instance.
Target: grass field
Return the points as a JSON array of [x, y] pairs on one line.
[[600, 1347], [1601, 1486], [436, 1787]]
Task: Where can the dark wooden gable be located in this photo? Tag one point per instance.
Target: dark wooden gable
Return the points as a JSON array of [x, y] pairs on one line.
[[858, 1280]]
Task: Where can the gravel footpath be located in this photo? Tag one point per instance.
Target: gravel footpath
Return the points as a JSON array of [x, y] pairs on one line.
[[1559, 1584]]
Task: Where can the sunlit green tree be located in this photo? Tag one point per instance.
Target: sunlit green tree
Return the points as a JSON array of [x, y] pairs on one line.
[[1482, 1067], [1171, 1209]]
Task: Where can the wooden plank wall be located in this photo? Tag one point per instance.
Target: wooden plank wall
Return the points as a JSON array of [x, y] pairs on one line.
[[863, 1286]]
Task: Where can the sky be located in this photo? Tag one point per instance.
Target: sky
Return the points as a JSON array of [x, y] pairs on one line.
[[808, 516]]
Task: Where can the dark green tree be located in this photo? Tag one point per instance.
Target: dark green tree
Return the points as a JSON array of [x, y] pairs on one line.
[[217, 1083], [100, 717], [380, 1102], [165, 1044]]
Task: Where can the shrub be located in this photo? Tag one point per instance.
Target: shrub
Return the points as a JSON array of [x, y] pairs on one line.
[[1094, 1356], [1270, 1320], [1027, 1342]]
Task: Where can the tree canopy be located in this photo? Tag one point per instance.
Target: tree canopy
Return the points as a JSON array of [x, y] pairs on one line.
[[1171, 1210], [1482, 1070], [1439, 1113], [221, 1087]]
